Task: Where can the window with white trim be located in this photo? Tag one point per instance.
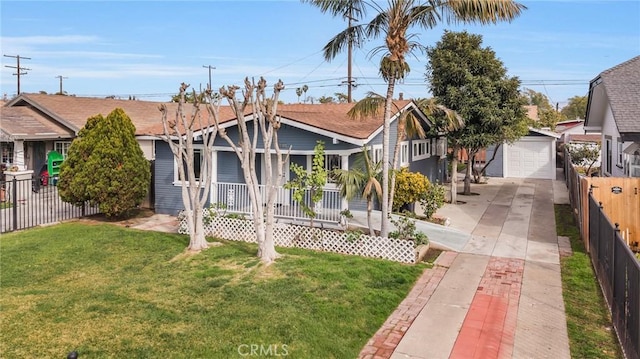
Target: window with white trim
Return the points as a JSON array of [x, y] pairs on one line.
[[619, 163], [420, 149], [197, 168], [608, 156], [376, 154], [62, 147], [404, 154], [7, 152]]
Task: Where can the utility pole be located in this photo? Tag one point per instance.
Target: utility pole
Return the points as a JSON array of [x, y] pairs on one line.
[[60, 77], [210, 68], [350, 50], [18, 68]]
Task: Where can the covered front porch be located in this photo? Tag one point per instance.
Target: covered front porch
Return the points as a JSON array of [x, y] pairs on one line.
[[234, 198]]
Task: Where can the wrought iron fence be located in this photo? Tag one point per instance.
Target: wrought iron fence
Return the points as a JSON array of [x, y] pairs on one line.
[[618, 272], [234, 197], [26, 203]]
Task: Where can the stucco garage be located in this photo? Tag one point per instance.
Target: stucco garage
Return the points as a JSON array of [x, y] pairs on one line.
[[532, 156]]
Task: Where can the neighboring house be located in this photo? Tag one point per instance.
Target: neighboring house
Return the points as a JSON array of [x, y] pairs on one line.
[[302, 126], [532, 156], [613, 109], [33, 124], [568, 128]]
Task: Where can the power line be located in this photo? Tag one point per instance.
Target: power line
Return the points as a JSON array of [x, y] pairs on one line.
[[18, 68]]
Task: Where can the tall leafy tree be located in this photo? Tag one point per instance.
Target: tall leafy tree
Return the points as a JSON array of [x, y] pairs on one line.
[[472, 81], [576, 108], [106, 166], [393, 21], [547, 114]]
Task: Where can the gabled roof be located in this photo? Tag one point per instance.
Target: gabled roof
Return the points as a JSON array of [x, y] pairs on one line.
[[544, 132], [621, 86], [72, 112], [334, 118], [25, 123], [566, 125]]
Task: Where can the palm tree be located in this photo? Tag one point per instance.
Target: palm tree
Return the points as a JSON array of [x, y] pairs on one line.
[[393, 23], [362, 180], [408, 126], [299, 93]]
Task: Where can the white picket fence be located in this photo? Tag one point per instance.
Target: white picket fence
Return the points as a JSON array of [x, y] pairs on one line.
[[289, 235]]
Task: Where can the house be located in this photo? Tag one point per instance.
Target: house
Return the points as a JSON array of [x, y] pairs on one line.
[[302, 125], [613, 110], [532, 156], [568, 128], [34, 124]]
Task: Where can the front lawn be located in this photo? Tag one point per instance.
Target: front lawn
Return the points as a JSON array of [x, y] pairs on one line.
[[108, 291]]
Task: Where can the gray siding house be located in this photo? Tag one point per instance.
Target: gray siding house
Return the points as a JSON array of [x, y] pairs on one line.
[[302, 126]]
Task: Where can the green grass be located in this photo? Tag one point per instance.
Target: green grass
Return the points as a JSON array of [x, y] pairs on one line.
[[113, 292], [588, 321]]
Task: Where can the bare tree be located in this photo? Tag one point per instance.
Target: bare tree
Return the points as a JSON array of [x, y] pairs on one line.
[[179, 134], [264, 122]]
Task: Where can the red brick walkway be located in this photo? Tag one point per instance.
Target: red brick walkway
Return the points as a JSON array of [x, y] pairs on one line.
[[386, 339], [488, 330]]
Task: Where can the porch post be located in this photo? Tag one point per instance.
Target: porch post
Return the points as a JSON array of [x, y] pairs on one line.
[[18, 154], [213, 195], [345, 166]]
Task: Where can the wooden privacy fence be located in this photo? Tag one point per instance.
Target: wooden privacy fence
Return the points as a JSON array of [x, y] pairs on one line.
[[620, 199]]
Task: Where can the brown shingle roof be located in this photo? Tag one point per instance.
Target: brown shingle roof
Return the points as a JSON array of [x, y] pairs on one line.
[[145, 115], [622, 84], [147, 118], [333, 117], [572, 137], [25, 123]]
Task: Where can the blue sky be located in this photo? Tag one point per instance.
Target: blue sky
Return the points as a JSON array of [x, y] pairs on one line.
[[147, 48]]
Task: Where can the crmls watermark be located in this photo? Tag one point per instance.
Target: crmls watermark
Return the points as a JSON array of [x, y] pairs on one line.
[[268, 350]]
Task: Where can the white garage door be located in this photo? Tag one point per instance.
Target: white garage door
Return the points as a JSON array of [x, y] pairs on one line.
[[531, 157]]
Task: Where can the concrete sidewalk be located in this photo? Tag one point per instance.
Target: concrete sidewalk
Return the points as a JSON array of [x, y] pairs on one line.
[[501, 293]]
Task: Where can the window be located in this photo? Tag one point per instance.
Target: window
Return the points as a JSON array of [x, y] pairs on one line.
[[376, 154], [332, 162], [62, 147], [7, 152], [404, 154], [197, 168], [619, 163], [608, 158], [421, 149]]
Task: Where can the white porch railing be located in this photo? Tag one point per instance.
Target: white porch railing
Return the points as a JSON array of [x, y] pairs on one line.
[[234, 197]]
